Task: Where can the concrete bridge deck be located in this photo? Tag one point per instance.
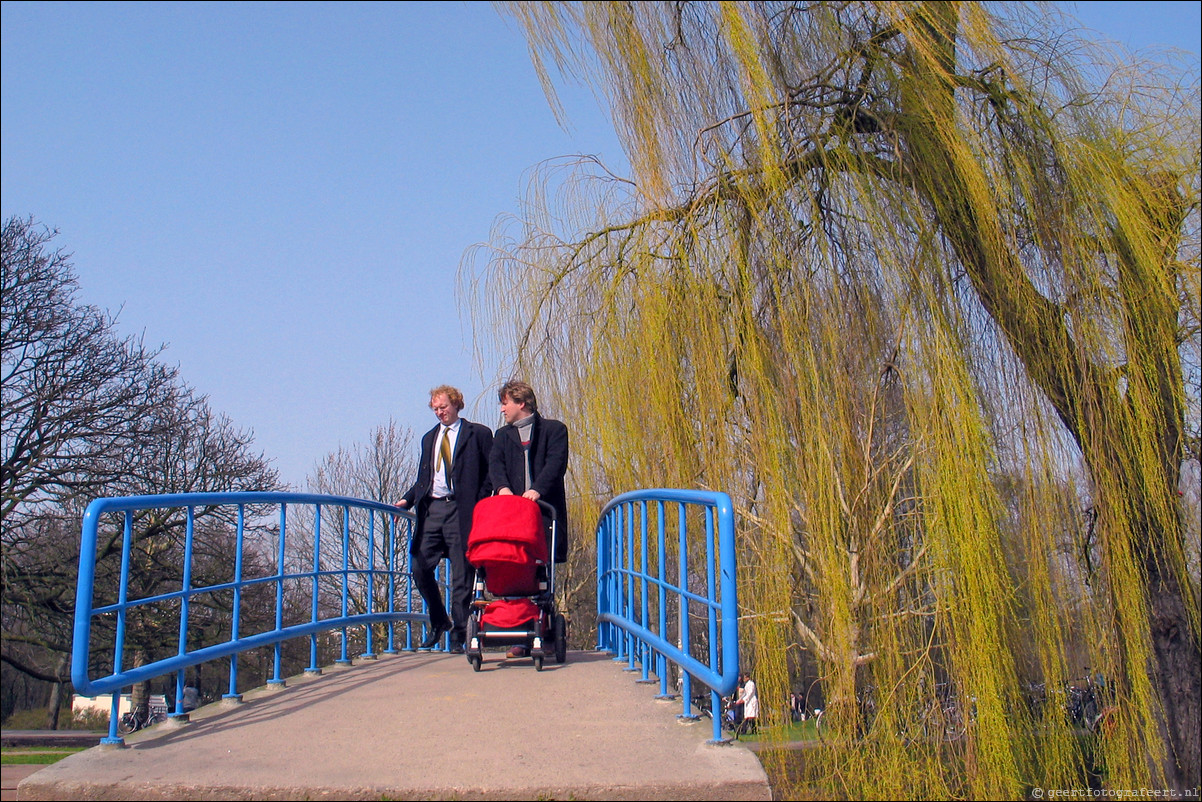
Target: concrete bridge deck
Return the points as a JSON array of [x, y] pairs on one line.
[[424, 726]]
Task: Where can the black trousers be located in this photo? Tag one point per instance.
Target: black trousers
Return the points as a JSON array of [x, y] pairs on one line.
[[441, 538]]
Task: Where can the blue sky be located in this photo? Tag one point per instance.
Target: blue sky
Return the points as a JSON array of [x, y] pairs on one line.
[[282, 193]]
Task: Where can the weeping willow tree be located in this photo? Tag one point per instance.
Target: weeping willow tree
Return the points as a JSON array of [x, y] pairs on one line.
[[920, 290]]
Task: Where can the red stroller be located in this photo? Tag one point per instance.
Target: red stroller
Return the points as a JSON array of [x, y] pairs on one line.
[[514, 603]]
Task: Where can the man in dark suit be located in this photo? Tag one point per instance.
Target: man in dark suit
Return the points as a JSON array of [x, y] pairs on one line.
[[529, 457], [452, 476]]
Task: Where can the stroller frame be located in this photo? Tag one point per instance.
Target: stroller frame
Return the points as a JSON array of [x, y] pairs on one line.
[[545, 634]]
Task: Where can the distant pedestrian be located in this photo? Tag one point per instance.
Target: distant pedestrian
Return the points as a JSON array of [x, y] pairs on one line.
[[750, 697], [797, 711]]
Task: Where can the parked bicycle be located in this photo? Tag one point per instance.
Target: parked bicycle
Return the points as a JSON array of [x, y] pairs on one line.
[[142, 716], [943, 719], [1086, 703], [731, 713], [843, 717]]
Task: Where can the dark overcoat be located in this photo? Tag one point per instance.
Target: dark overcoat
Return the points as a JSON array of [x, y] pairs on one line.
[[548, 466], [469, 477]]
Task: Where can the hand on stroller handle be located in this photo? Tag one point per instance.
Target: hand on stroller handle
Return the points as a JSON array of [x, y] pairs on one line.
[[546, 507]]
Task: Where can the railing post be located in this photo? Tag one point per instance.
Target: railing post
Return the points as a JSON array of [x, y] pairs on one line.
[[645, 653], [235, 629], [602, 550], [686, 680], [345, 660], [628, 607], [313, 668], [184, 605], [729, 586], [371, 586], [391, 554], [119, 640], [409, 593], [276, 680], [715, 697], [662, 573]]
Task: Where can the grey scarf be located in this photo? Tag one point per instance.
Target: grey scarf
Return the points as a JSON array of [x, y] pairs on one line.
[[525, 429]]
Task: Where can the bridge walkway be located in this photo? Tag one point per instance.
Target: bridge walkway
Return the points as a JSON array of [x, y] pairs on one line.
[[423, 726]]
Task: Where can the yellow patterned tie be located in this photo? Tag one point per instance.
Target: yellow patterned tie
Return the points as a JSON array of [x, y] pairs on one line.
[[444, 452]]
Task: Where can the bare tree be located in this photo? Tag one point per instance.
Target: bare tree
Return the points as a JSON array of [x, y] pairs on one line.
[[88, 414], [379, 470], [76, 396]]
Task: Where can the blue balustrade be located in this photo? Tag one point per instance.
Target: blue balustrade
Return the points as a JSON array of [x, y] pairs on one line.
[[646, 611], [371, 557], [665, 585]]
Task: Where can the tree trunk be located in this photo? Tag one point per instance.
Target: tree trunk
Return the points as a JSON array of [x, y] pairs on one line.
[[1178, 675], [1102, 425], [56, 695], [139, 697]]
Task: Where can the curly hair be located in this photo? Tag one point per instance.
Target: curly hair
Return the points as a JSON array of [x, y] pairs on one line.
[[452, 394]]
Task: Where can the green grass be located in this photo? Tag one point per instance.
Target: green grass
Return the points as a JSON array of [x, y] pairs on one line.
[[793, 731], [39, 756]]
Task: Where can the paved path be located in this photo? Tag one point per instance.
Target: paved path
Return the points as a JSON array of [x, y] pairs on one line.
[[33, 740], [10, 776], [424, 726]]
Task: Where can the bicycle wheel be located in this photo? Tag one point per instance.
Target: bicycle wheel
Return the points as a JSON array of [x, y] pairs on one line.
[[836, 722], [954, 727], [129, 723], [1089, 712], [1105, 722], [915, 729]]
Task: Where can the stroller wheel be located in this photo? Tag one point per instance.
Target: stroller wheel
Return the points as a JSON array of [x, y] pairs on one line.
[[475, 660], [538, 663]]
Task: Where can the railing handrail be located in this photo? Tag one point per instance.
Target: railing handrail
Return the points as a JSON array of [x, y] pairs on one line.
[[393, 569], [625, 582], [172, 500]]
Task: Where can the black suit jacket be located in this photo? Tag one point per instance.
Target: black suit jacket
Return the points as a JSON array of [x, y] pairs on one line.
[[469, 477], [548, 466]]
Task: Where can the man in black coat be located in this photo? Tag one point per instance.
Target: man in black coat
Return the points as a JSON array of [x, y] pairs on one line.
[[452, 476], [530, 457]]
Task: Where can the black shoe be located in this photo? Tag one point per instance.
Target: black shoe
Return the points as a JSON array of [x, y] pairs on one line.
[[456, 648], [434, 637]]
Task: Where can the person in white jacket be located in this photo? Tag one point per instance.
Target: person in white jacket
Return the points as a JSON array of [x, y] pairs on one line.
[[750, 697]]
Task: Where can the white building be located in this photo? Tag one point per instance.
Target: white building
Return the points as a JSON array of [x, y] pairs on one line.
[[104, 704]]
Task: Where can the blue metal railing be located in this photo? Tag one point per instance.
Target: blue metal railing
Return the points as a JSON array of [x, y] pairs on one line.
[[373, 560], [651, 587], [645, 610]]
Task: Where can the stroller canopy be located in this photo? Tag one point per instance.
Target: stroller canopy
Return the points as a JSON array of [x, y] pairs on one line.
[[507, 529]]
